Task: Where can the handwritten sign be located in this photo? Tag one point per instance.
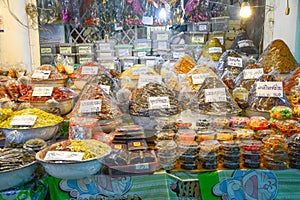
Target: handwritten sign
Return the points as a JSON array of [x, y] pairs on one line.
[[269, 89], [23, 120], [105, 88], [202, 27], [245, 43], [162, 45], [158, 102], [89, 70], [253, 73], [64, 155], [234, 61], [84, 49], [140, 70], [124, 52], [199, 78], [42, 91], [41, 74], [215, 95], [90, 106], [215, 50], [145, 79]]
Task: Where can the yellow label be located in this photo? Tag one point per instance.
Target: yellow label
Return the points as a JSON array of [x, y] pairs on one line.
[[118, 146], [65, 50], [46, 50], [137, 144]]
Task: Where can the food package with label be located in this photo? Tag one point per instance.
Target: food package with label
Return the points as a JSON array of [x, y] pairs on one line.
[[81, 128], [277, 55], [231, 61], [213, 98], [184, 65], [213, 50], [264, 95], [292, 82], [47, 72], [244, 45]]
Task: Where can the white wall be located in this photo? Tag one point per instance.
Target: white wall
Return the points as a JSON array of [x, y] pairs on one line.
[[15, 45]]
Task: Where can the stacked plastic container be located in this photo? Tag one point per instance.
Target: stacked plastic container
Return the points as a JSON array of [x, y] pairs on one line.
[[85, 53], [161, 44], [166, 154], [68, 50], [209, 154], [251, 153], [231, 154], [48, 52], [105, 53]]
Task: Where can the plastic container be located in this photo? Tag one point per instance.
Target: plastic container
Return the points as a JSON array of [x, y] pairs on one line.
[[224, 135], [66, 48], [47, 49], [85, 48], [199, 26], [244, 134], [220, 23], [160, 35], [232, 147], [209, 146], [288, 127], [140, 44], [238, 122], [188, 149], [105, 46], [84, 58], [128, 62], [202, 135], [260, 134], [161, 44], [47, 59], [149, 61], [186, 136], [275, 143], [123, 50], [141, 52], [231, 164], [258, 123], [197, 37], [253, 146], [71, 57], [102, 54]]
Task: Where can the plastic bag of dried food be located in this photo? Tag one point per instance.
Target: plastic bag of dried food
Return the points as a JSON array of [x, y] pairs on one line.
[[170, 79], [12, 89], [266, 93], [244, 45], [184, 65], [155, 100], [231, 61], [291, 81], [81, 128], [213, 50], [123, 95], [88, 70], [277, 55], [47, 72], [214, 98]]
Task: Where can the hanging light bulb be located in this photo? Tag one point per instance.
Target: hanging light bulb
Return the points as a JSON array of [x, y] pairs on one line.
[[245, 11], [163, 12]]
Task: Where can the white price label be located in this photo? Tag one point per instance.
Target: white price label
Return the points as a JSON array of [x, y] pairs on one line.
[[150, 63], [215, 95], [147, 20], [64, 156], [105, 88], [90, 106], [138, 71], [142, 54], [145, 79], [158, 102], [85, 49], [142, 166], [203, 27], [198, 39], [42, 91], [199, 78], [245, 43], [178, 54], [215, 50], [269, 89], [41, 74], [124, 52], [162, 36], [23, 120], [127, 65], [89, 70], [65, 50], [235, 62], [253, 73]]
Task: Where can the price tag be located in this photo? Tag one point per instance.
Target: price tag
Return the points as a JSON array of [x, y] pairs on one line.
[[202, 27], [245, 43], [23, 120], [105, 88], [41, 74], [90, 106], [199, 78], [147, 20], [65, 50], [89, 70], [42, 91], [84, 60], [64, 155], [123, 52], [269, 89], [253, 73], [215, 50], [142, 54], [84, 49], [235, 62], [139, 71], [141, 166], [162, 36], [221, 39], [150, 63], [46, 50], [198, 39], [215, 95], [178, 54], [158, 102], [145, 79]]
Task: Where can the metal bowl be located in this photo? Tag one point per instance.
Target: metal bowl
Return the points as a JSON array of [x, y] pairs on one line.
[[70, 170], [24, 134], [15, 177]]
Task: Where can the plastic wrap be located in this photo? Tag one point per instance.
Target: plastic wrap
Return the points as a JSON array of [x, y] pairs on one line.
[[213, 98], [213, 50], [277, 55], [265, 103], [54, 74], [231, 61], [291, 81], [184, 65], [244, 45]]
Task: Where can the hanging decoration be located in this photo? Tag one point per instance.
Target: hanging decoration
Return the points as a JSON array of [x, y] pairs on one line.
[[132, 12], [92, 15], [196, 11]]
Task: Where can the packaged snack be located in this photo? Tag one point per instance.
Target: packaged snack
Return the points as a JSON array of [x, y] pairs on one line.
[[258, 123], [244, 45], [231, 61], [184, 65], [213, 49], [281, 112]]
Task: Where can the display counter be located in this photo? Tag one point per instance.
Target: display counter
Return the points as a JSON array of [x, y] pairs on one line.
[[227, 184]]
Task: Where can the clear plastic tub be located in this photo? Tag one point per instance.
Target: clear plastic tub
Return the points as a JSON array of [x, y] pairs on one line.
[[142, 44], [160, 35], [199, 26], [220, 23], [84, 58], [47, 49], [123, 50], [85, 48], [66, 48], [161, 44]]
